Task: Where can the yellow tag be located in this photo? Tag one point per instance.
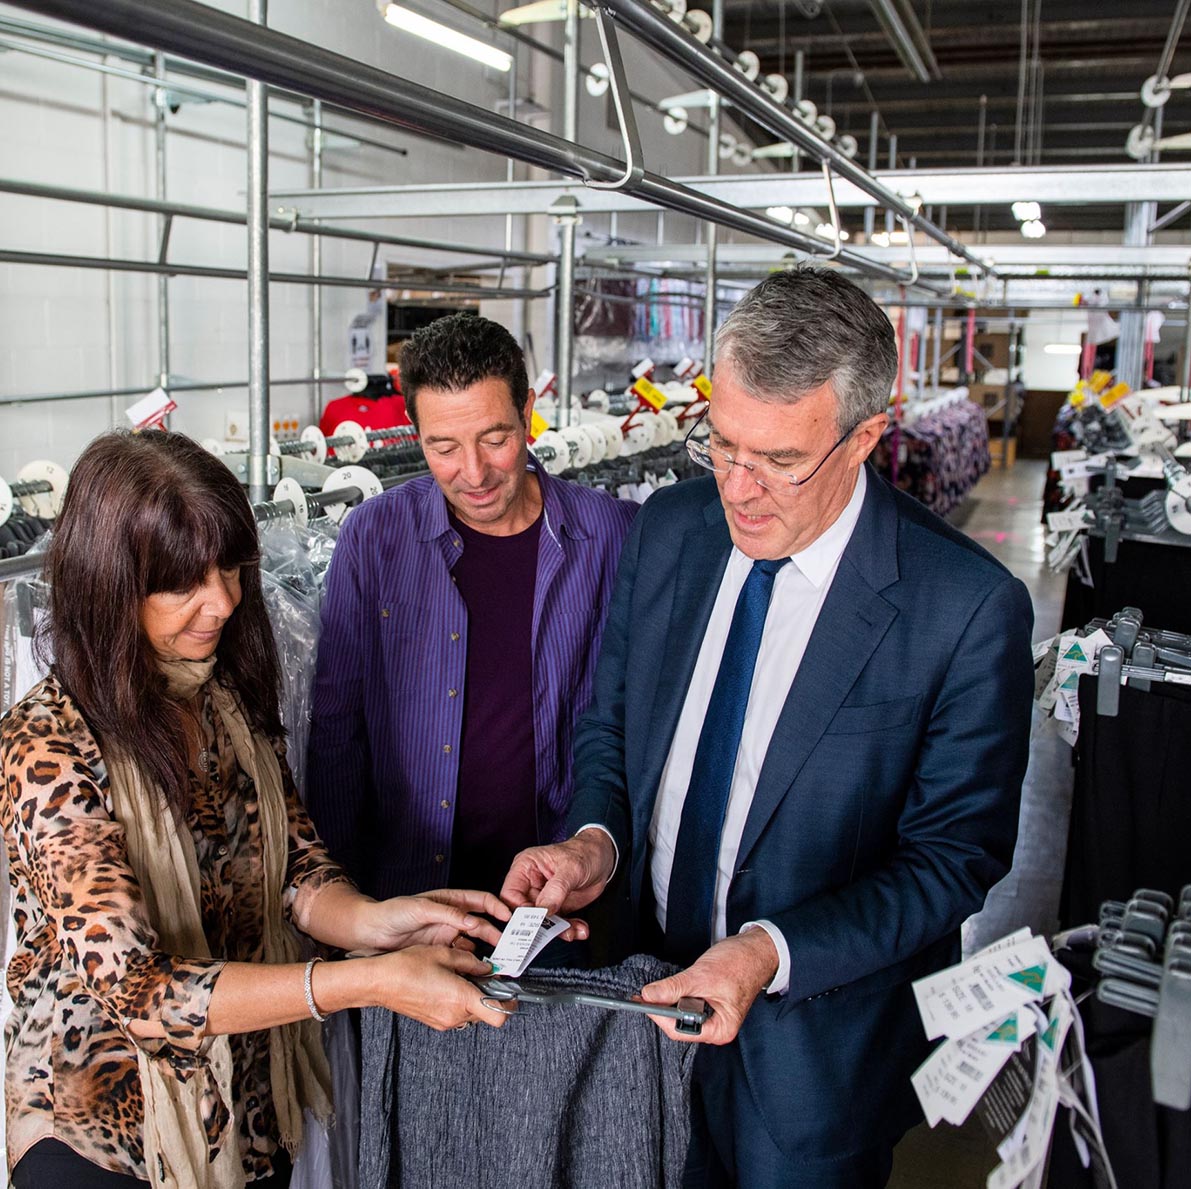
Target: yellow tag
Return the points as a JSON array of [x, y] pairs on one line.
[[537, 426], [649, 393], [1114, 394], [703, 387], [1100, 381]]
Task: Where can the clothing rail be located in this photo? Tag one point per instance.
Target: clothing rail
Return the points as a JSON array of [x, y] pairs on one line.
[[231, 43], [141, 390]]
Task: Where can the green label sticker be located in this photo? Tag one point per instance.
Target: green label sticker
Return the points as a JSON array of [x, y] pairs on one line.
[[1005, 1032], [1075, 653], [1048, 1037], [1033, 978], [1070, 682]]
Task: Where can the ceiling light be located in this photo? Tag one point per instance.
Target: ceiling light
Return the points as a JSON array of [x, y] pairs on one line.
[[801, 219], [783, 214], [1062, 349], [827, 231], [880, 239], [413, 22], [1025, 212], [1033, 229]]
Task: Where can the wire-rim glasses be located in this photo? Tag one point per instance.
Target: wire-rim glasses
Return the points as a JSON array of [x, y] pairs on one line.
[[764, 474]]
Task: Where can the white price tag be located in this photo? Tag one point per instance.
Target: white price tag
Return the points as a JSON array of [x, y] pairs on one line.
[[1068, 519], [986, 988], [528, 932], [1060, 458]]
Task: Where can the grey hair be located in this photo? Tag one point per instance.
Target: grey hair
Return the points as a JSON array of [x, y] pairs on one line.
[[806, 327]]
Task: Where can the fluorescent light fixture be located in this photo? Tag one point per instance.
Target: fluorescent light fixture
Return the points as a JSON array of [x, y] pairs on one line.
[[783, 214], [827, 231], [801, 219], [1062, 349], [409, 21], [1033, 229], [880, 239], [1025, 212]]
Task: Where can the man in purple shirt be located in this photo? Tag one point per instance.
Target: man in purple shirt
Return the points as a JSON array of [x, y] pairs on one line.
[[460, 631]]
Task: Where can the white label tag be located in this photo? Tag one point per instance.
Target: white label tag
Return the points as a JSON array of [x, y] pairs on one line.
[[986, 988], [528, 932], [1060, 458], [1068, 519]]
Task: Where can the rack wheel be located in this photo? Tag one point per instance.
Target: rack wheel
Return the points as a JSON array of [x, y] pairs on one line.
[[358, 446], [290, 489], [360, 477], [45, 504], [312, 433]]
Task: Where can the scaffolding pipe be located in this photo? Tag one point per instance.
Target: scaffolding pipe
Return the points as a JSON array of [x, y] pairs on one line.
[[176, 387], [1185, 377], [568, 222], [258, 276], [713, 167], [216, 38], [163, 281], [316, 258], [672, 41], [116, 264], [301, 226]]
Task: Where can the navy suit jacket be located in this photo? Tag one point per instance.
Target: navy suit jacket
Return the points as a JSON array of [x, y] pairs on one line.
[[886, 807]]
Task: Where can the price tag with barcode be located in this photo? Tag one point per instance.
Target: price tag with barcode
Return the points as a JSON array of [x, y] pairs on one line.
[[650, 393], [703, 386], [528, 932]]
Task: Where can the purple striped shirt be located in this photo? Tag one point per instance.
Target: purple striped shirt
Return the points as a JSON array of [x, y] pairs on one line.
[[387, 710]]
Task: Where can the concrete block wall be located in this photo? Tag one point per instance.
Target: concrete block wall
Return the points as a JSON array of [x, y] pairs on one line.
[[68, 329]]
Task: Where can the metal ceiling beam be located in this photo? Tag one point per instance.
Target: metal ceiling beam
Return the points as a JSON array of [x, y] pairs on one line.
[[1078, 185]]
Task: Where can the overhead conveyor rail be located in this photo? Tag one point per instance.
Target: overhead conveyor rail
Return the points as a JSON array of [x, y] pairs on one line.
[[673, 41], [231, 43]]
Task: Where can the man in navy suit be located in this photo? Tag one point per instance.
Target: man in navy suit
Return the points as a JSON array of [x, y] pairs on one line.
[[804, 756]]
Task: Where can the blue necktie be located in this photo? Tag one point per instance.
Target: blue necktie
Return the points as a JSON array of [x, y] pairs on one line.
[[691, 895]]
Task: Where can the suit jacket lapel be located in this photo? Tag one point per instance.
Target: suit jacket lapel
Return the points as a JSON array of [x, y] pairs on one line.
[[703, 558], [851, 624]]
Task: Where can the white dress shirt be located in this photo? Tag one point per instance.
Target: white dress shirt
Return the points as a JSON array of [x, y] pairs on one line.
[[799, 591]]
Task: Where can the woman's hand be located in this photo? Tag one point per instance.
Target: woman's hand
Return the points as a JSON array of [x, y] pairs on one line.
[[438, 917], [430, 984]]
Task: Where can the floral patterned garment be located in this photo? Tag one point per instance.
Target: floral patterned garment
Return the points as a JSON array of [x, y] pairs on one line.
[[86, 956]]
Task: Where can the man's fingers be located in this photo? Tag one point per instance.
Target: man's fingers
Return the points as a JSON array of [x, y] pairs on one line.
[[579, 931], [667, 990], [554, 894]]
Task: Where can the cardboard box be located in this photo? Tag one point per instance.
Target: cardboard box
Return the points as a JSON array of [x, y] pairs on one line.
[[995, 350], [994, 449]]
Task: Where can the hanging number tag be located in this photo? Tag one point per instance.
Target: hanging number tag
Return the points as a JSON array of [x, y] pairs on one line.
[[537, 426], [703, 387], [528, 932], [649, 393]]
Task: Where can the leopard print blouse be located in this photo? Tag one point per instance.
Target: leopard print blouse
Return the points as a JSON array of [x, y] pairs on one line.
[[86, 956]]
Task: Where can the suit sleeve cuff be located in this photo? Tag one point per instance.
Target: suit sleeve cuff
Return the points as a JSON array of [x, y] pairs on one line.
[[781, 980], [615, 848]]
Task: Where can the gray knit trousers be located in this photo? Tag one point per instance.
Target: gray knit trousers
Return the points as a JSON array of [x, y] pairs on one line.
[[561, 1097]]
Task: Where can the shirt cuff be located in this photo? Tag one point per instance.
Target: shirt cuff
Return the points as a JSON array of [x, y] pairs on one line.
[[781, 980], [615, 848]]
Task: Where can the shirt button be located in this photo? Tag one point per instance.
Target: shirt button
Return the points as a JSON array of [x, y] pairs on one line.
[[440, 858], [455, 542], [221, 851], [447, 748], [452, 693], [384, 613], [454, 635], [446, 804]]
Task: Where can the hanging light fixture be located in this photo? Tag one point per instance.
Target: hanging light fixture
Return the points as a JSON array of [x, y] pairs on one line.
[[409, 21]]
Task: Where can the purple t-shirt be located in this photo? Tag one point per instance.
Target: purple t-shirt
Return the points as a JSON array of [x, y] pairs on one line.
[[496, 811]]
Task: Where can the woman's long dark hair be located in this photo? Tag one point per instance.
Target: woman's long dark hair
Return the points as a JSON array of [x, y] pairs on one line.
[[146, 513]]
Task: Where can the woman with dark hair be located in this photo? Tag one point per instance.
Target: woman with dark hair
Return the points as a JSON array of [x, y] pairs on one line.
[[164, 1026]]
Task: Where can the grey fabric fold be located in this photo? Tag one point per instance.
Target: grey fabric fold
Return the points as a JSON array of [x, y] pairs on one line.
[[561, 1097]]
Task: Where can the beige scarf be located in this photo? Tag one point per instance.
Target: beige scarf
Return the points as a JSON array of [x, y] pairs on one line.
[[180, 1153]]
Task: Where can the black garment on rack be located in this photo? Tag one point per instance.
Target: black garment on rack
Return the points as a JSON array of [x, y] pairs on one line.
[[1155, 578], [1130, 821]]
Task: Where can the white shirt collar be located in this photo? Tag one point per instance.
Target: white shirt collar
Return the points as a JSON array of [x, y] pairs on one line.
[[820, 558]]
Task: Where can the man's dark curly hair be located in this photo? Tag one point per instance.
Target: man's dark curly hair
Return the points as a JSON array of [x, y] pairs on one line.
[[460, 350]]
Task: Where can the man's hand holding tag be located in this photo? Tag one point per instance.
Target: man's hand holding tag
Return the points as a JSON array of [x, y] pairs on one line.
[[729, 976], [563, 877]]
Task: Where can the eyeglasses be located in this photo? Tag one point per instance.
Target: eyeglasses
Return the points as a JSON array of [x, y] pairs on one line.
[[764, 474]]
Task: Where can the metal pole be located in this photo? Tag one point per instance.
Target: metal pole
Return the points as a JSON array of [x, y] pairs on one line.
[[163, 281], [798, 93], [316, 262], [981, 122], [1185, 376], [889, 224], [568, 221], [713, 167], [938, 348], [115, 414], [870, 212], [258, 278]]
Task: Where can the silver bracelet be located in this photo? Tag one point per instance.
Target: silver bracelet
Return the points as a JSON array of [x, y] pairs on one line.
[[318, 1015]]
